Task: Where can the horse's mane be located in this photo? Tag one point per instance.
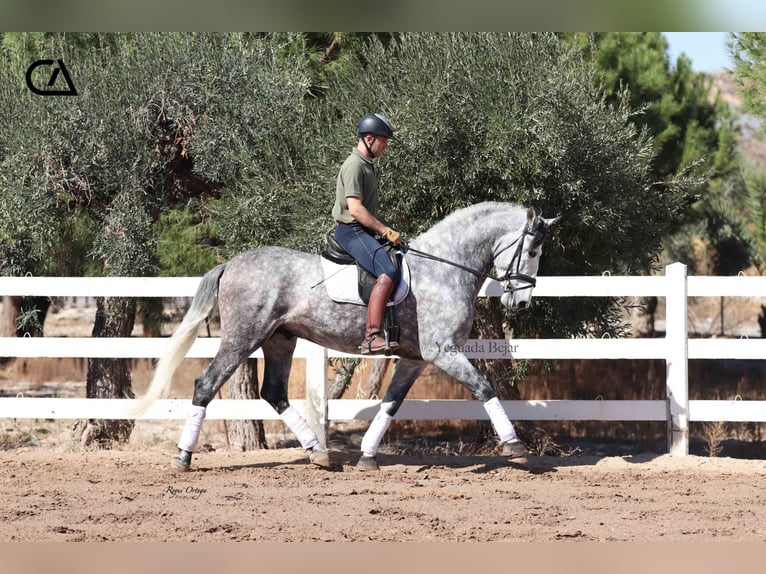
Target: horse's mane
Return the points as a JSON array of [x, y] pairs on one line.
[[470, 215]]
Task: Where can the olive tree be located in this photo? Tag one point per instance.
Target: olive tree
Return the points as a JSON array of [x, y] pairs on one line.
[[161, 122], [517, 117]]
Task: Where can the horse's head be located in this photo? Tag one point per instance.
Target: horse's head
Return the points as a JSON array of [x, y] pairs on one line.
[[520, 257]]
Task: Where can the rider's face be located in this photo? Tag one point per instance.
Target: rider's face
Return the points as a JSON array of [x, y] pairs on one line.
[[378, 144]]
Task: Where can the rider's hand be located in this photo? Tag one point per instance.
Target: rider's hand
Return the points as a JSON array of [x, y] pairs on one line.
[[394, 237]]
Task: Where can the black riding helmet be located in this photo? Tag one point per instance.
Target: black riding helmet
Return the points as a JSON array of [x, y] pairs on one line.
[[375, 124]]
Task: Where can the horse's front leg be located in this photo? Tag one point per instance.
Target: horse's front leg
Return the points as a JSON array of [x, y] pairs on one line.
[[404, 375], [458, 366]]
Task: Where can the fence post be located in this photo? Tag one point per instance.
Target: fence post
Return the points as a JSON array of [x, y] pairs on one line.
[[677, 360], [316, 391]]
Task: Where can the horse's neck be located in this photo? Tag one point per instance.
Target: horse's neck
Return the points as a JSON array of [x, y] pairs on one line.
[[469, 237]]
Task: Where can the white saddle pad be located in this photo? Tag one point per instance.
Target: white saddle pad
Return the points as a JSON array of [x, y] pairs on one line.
[[341, 282]]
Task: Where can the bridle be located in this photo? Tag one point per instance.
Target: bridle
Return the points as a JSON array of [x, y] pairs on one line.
[[538, 233], [510, 275]]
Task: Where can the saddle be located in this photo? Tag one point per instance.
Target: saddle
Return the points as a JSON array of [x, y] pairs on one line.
[[365, 279]]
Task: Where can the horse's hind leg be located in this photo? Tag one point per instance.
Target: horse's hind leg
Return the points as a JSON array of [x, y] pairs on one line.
[[226, 361], [404, 375], [278, 357]]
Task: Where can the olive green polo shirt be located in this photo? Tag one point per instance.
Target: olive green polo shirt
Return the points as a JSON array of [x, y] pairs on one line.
[[356, 178]]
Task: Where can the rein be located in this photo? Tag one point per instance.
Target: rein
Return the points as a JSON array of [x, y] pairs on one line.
[[507, 277]]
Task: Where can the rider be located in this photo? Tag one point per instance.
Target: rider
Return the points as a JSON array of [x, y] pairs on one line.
[[357, 221]]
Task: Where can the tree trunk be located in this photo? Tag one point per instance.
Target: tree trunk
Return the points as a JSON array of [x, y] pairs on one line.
[[246, 434], [8, 315], [344, 372], [370, 387], [642, 311], [108, 378]]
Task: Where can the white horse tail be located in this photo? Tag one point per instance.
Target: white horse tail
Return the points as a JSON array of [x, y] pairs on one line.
[[203, 303]]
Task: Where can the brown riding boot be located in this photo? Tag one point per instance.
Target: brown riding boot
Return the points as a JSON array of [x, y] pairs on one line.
[[374, 340]]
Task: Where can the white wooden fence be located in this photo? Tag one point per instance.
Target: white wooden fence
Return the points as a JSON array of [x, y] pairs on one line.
[[675, 348]]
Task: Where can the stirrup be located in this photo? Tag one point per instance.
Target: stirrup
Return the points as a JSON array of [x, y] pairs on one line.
[[367, 345]]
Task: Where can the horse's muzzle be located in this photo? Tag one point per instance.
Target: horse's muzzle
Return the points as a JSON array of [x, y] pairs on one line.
[[515, 299]]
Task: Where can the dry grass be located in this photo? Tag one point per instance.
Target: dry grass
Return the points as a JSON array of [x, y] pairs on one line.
[[714, 433], [18, 434]]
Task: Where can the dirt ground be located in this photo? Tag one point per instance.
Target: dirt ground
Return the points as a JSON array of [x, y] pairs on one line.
[[54, 493]]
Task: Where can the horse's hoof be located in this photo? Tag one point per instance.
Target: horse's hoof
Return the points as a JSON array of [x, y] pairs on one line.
[[320, 457], [179, 464], [515, 451], [367, 463], [182, 462]]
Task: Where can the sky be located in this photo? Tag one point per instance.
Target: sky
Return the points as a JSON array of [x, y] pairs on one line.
[[706, 50]]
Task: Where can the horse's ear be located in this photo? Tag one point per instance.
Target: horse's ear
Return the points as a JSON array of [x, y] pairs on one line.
[[552, 221], [531, 217]]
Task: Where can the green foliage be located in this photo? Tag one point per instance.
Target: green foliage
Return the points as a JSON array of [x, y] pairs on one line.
[[727, 222], [752, 221], [126, 244], [747, 210], [246, 121], [737, 224], [691, 131], [184, 242], [160, 119], [28, 221], [76, 156], [748, 50], [686, 126], [514, 117]]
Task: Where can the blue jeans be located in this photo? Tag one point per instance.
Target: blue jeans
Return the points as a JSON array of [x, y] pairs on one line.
[[360, 243]]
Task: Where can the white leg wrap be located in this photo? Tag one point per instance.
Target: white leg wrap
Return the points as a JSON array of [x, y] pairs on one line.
[[500, 421], [296, 423], [375, 433], [192, 429]]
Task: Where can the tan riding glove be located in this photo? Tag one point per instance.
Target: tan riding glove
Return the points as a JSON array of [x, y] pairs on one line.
[[393, 236]]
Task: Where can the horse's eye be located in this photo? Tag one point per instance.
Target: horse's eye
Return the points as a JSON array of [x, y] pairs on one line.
[[532, 253]]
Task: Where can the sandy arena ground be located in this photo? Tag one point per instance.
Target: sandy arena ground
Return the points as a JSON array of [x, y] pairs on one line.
[[55, 494]]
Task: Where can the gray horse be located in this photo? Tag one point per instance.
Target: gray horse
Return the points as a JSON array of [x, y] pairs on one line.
[[267, 298]]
